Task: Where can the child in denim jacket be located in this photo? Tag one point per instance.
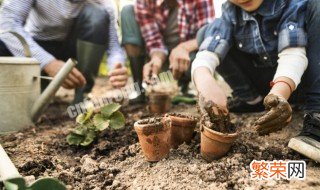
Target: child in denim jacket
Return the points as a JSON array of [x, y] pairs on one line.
[[261, 42]]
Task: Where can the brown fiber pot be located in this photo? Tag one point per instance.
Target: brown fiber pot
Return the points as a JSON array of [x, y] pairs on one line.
[[182, 127], [159, 103], [154, 138], [215, 145]]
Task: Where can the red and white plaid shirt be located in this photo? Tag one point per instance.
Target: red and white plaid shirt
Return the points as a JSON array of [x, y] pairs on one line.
[[152, 16]]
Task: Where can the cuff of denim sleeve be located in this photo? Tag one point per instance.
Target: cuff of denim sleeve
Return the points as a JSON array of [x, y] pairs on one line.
[[292, 36], [206, 59], [163, 50], [217, 45], [292, 63]]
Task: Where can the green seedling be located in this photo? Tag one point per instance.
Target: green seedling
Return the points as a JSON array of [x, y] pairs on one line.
[[19, 183], [90, 124]]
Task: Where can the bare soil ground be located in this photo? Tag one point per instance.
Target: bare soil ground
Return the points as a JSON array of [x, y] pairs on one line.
[[116, 161]]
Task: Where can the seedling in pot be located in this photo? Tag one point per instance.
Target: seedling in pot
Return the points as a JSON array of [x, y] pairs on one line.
[[90, 124]]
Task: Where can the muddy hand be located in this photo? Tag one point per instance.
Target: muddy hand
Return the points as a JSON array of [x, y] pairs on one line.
[[218, 117], [278, 116]]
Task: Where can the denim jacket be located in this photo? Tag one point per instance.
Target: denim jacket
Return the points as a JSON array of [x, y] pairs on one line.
[[276, 25]]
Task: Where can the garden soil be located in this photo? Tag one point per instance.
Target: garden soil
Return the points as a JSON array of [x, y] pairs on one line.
[[116, 161]]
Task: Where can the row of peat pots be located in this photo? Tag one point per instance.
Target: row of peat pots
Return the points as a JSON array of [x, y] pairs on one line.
[[158, 135]]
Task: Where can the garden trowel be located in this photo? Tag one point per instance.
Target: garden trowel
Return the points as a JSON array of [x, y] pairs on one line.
[[12, 180]]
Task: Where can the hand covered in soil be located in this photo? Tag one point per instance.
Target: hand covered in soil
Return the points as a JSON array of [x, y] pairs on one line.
[[179, 61], [74, 79], [119, 76], [214, 117], [208, 88], [278, 116]]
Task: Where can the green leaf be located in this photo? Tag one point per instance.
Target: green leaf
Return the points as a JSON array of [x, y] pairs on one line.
[[117, 120], [74, 139], [83, 118], [100, 122], [80, 130], [109, 109], [90, 136]]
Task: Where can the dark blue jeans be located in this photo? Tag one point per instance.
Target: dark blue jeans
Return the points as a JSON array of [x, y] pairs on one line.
[[91, 26], [247, 80]]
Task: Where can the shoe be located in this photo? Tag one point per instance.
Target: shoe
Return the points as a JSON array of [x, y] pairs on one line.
[[307, 142], [237, 105], [89, 57], [136, 65]]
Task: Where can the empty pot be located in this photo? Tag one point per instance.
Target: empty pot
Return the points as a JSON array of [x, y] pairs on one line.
[[154, 137], [182, 127]]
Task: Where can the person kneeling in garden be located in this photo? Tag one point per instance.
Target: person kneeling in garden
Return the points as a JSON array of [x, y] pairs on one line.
[[159, 28], [265, 48], [62, 29]]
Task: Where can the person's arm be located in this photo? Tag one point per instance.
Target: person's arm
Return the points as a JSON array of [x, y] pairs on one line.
[[144, 11], [116, 56], [115, 52], [202, 71], [180, 57], [292, 64], [13, 15]]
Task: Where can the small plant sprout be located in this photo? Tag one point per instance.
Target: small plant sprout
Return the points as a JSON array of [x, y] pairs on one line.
[[90, 124]]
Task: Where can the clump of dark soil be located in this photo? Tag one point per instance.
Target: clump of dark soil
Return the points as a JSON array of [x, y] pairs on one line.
[[217, 121]]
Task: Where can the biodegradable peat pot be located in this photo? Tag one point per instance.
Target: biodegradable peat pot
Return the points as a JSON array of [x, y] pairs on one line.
[[159, 103], [215, 145], [182, 127], [154, 137]]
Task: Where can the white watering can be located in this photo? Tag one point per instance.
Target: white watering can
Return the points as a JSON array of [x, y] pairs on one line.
[[20, 100]]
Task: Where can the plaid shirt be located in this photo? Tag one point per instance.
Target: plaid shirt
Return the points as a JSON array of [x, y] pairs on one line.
[[152, 16], [276, 25]]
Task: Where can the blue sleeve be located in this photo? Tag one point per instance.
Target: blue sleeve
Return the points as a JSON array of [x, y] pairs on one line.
[[218, 35], [292, 25]]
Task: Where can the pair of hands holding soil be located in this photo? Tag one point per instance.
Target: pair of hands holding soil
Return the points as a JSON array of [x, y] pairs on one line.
[[278, 115]]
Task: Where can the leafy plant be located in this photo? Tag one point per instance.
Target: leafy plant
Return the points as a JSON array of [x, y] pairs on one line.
[[90, 124]]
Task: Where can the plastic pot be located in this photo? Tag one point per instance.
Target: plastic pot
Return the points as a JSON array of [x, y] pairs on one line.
[[215, 145], [182, 127], [159, 103], [154, 137]]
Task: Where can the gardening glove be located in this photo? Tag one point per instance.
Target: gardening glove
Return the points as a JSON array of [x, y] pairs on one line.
[[278, 116]]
